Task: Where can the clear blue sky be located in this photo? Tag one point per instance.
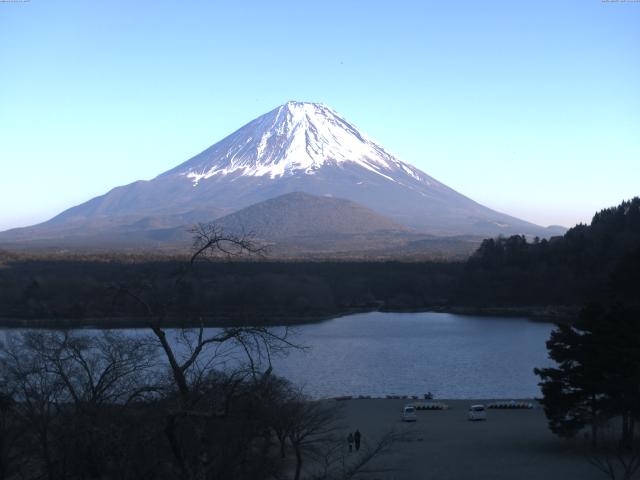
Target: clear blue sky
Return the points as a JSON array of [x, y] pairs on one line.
[[529, 107]]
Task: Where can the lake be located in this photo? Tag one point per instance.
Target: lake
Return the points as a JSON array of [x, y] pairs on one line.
[[452, 356]]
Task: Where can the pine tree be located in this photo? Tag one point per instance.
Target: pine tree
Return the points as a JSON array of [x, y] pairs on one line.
[[597, 377]]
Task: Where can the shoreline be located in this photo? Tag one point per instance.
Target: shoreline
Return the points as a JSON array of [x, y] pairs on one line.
[[420, 399], [544, 314]]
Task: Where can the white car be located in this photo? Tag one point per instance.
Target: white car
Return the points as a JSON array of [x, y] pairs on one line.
[[408, 414], [477, 412]]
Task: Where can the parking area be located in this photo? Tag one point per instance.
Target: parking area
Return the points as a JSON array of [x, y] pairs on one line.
[[443, 444]]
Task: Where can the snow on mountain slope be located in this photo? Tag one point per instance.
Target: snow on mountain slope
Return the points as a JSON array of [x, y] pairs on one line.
[[295, 138]]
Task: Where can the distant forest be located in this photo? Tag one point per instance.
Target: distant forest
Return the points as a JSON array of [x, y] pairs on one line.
[[508, 275]]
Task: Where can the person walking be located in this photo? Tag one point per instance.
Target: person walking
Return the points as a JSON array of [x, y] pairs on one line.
[[350, 441], [356, 438]]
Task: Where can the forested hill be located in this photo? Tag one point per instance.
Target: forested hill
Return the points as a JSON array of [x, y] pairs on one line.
[[505, 275], [561, 270]]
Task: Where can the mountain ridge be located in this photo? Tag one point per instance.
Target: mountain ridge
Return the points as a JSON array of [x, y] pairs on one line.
[[297, 147], [300, 214]]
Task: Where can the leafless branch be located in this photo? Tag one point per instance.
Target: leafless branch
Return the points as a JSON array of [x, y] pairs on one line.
[[211, 239]]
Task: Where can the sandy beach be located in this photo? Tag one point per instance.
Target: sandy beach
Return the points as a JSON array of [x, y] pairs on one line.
[[445, 445]]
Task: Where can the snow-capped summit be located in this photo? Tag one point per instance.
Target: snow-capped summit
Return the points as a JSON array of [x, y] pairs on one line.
[[297, 137]]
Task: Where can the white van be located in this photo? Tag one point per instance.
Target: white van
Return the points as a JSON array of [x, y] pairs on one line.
[[477, 412], [408, 414]]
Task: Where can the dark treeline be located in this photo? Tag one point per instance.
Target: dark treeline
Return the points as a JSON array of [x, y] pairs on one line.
[[564, 270], [229, 292], [503, 273]]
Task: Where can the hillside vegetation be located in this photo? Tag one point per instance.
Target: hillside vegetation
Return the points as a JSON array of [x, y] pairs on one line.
[[561, 270], [504, 274]]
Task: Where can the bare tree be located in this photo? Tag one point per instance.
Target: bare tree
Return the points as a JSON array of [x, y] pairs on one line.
[[194, 355], [312, 426], [314, 431], [37, 393], [66, 388], [244, 403], [617, 459], [95, 368], [10, 434], [210, 240], [257, 343]]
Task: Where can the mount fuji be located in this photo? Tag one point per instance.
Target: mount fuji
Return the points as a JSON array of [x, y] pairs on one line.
[[297, 147]]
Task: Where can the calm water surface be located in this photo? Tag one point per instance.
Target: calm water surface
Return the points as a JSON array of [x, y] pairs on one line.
[[452, 356]]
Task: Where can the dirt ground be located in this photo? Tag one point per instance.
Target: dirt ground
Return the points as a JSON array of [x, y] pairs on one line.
[[443, 445]]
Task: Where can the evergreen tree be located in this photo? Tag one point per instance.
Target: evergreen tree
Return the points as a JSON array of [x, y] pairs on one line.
[[572, 393], [597, 377]]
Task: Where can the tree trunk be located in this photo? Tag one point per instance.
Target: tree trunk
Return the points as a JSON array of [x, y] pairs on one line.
[[178, 373], [3, 461], [627, 430], [170, 432], [268, 443], [49, 463], [594, 422], [298, 462]]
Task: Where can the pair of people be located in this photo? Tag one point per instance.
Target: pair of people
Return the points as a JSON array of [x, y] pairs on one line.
[[354, 438]]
